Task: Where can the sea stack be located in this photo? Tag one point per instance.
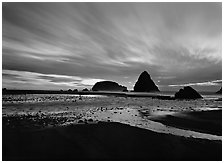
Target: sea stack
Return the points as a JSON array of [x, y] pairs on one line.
[[108, 86], [145, 84], [219, 91], [187, 93]]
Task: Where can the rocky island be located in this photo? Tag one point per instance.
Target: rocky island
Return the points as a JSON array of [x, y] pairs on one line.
[[187, 93], [108, 86]]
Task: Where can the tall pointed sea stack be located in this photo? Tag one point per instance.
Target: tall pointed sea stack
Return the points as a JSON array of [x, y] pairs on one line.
[[145, 84]]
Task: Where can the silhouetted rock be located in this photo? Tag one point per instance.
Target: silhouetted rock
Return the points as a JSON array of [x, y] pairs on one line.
[[108, 86], [187, 93], [69, 90], [75, 90], [85, 89], [219, 91], [90, 120], [80, 121], [145, 84]]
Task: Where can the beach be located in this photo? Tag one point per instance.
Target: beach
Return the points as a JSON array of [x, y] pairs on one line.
[[93, 127]]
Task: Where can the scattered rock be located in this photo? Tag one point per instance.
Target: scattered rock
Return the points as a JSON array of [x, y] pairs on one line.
[[187, 93], [145, 84]]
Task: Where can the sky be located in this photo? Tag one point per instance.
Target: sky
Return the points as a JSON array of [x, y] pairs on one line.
[[74, 45]]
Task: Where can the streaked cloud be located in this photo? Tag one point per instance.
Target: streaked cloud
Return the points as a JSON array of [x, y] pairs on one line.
[[15, 78], [176, 42], [208, 83]]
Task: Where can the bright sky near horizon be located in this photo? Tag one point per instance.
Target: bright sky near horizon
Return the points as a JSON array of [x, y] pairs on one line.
[[74, 45]]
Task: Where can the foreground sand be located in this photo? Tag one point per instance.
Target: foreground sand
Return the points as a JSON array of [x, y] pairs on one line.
[[104, 141], [201, 121]]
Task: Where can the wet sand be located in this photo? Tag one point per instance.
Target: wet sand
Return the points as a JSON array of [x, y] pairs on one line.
[[104, 141], [201, 121]]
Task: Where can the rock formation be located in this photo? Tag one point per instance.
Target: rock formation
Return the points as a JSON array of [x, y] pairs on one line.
[[108, 86], [219, 91], [85, 90], [145, 84], [187, 93], [75, 90]]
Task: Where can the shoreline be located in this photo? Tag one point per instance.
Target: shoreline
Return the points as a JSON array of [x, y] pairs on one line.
[[103, 93], [154, 95]]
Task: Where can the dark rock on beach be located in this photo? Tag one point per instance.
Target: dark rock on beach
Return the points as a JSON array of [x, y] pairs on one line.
[[145, 84], [187, 93], [108, 86]]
